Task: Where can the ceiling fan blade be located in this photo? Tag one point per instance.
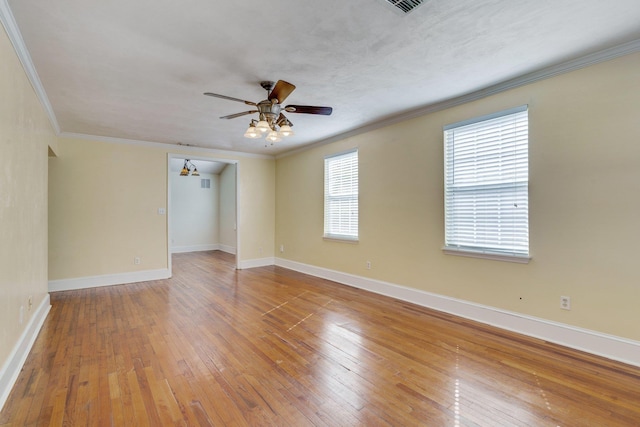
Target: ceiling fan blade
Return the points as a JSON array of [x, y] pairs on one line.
[[281, 90], [233, 116], [308, 109], [215, 95]]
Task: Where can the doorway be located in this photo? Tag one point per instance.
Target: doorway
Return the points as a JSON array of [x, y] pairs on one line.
[[202, 206]]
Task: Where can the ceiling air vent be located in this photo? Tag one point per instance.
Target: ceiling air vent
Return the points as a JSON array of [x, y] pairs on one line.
[[405, 6]]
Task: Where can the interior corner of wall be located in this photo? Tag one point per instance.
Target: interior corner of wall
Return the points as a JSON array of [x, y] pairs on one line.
[[54, 146]]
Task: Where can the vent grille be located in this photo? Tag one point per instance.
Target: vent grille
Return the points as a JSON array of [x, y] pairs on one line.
[[405, 6]]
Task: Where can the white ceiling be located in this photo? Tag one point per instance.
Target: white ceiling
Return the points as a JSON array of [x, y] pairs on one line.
[[203, 166], [137, 69]]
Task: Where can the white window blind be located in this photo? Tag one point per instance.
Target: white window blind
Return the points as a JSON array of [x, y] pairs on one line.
[[341, 196], [486, 184]]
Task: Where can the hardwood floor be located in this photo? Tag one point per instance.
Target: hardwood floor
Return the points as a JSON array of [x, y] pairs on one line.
[[268, 346]]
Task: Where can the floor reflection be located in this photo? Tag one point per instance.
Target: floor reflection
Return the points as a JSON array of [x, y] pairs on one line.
[[456, 394], [338, 369]]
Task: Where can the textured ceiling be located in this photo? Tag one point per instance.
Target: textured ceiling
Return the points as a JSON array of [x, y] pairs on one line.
[[137, 69]]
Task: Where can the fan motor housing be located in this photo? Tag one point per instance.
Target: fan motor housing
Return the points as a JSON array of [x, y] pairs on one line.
[[269, 109]]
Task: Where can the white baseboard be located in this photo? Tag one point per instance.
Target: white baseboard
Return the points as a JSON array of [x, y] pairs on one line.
[[108, 280], [195, 248], [199, 248], [228, 249], [605, 345], [13, 365], [258, 262]]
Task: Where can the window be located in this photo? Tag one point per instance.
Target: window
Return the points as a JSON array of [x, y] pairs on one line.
[[486, 186], [341, 196]]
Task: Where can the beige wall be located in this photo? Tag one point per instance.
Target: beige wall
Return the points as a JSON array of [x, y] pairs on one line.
[[104, 199], [228, 206], [256, 208], [25, 134], [103, 202], [584, 204]]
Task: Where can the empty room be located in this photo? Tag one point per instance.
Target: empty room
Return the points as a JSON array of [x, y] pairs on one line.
[[319, 213]]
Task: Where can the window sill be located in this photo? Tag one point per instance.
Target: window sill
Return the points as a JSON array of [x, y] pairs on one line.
[[520, 259], [340, 239]]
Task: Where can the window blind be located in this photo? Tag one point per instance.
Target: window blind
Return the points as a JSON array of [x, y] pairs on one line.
[[486, 184], [341, 196]]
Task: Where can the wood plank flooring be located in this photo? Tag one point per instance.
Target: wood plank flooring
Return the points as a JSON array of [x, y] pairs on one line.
[[271, 347]]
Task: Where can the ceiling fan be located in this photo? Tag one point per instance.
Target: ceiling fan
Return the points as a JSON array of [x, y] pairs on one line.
[[272, 120]]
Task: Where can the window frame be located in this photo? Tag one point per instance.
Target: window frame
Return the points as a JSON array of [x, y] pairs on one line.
[[519, 187], [330, 233]]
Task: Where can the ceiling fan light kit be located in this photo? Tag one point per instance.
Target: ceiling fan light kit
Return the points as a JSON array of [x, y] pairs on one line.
[[285, 130], [273, 136], [263, 125], [272, 121], [252, 132]]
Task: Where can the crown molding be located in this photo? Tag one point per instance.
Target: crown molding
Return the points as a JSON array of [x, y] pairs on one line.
[[535, 76], [165, 146], [11, 27]]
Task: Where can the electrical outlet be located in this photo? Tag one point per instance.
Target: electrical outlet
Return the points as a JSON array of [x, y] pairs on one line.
[[30, 305], [281, 248], [565, 303], [368, 265], [137, 260]]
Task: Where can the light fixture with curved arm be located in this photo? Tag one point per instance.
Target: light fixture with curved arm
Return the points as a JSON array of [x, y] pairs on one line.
[[189, 168]]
